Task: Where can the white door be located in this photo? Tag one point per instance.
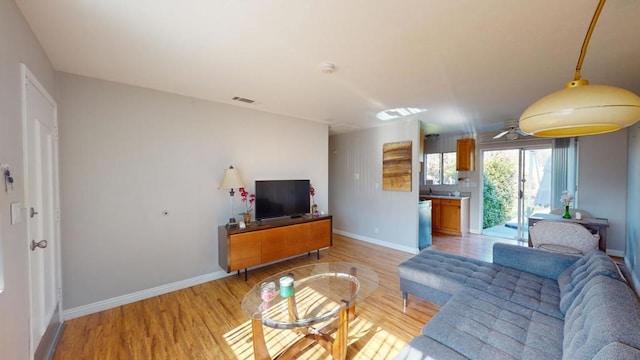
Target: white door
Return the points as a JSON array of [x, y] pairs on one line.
[[41, 200]]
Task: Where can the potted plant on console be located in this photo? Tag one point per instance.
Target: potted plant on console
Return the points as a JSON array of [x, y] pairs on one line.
[[248, 200], [314, 207]]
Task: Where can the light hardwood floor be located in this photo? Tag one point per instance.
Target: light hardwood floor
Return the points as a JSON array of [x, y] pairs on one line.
[[206, 321]]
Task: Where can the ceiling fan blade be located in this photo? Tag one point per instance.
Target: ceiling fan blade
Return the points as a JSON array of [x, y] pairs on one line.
[[521, 133], [501, 134]]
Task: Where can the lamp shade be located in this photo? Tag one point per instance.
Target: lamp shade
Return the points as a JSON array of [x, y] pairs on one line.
[[581, 109], [231, 179]]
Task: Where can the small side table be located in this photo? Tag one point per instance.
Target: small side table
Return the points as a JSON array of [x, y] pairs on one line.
[[595, 224]]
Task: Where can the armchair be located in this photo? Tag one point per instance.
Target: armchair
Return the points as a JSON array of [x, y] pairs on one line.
[[565, 237]]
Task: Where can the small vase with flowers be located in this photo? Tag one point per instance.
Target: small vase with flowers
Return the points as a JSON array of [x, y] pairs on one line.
[[248, 200], [566, 199]]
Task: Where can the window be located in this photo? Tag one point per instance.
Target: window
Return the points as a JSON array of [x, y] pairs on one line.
[[441, 168], [449, 173]]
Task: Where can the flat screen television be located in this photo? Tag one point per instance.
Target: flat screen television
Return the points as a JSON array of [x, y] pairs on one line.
[[280, 198]]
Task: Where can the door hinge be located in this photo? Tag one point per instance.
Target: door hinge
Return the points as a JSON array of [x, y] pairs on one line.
[[55, 134], [57, 212]]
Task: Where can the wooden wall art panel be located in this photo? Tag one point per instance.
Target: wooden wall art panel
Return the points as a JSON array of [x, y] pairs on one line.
[[396, 166]]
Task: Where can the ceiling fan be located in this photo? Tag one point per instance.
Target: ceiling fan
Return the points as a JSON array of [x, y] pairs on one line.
[[511, 133]]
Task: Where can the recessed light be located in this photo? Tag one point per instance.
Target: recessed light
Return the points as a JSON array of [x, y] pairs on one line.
[[391, 114], [244, 100], [328, 68]]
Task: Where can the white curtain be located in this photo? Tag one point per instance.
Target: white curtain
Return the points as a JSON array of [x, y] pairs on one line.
[[565, 169]]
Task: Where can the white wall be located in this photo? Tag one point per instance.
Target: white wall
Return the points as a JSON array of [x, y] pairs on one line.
[[128, 153], [602, 183], [361, 208], [17, 44], [632, 251]]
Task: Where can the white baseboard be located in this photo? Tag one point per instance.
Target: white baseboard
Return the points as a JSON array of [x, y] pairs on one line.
[[617, 253], [377, 242], [140, 295]]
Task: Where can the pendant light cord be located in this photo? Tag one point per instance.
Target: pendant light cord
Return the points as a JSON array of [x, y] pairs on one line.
[[583, 51]]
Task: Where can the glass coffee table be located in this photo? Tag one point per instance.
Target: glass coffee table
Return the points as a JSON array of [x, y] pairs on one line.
[[320, 301]]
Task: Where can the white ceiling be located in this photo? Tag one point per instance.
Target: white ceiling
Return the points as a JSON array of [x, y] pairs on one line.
[[473, 64]]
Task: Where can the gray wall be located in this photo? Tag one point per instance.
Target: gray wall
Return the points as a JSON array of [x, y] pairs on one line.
[[17, 44], [128, 153], [632, 251], [602, 183], [360, 206]]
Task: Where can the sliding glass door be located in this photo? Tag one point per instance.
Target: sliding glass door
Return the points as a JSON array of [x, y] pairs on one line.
[[516, 184]]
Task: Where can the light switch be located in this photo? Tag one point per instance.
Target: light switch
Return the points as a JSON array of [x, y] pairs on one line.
[[16, 214]]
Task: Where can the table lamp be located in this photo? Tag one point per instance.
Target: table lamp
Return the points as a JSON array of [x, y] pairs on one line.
[[231, 180]]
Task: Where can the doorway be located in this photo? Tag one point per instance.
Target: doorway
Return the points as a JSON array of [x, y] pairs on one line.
[[516, 184], [40, 139]]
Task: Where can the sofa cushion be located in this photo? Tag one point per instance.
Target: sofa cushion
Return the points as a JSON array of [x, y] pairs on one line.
[[425, 348], [483, 326], [618, 351], [572, 280], [538, 262], [526, 289], [446, 272], [606, 311]]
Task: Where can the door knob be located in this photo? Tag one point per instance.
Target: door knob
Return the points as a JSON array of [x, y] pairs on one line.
[[40, 244], [33, 213]]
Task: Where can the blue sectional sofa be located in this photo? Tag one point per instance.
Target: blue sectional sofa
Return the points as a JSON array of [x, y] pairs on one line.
[[527, 304]]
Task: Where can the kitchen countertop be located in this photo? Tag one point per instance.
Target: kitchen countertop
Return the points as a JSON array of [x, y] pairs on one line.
[[440, 196]]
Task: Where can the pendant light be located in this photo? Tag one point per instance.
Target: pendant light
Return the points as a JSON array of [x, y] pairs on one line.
[[582, 109]]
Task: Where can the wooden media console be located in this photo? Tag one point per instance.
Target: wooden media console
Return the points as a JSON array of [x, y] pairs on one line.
[[273, 240]]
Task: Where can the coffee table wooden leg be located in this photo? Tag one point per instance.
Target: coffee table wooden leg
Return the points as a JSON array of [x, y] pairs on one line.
[[339, 351], [260, 351], [292, 308], [354, 288]]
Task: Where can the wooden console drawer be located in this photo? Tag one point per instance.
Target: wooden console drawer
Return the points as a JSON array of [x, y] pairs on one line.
[[298, 238], [245, 250], [320, 234], [274, 244]]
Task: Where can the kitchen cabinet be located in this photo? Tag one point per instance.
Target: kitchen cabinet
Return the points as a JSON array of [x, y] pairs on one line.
[[466, 154], [449, 215], [435, 214]]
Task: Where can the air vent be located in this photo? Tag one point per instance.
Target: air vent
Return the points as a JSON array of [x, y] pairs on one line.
[[244, 100]]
